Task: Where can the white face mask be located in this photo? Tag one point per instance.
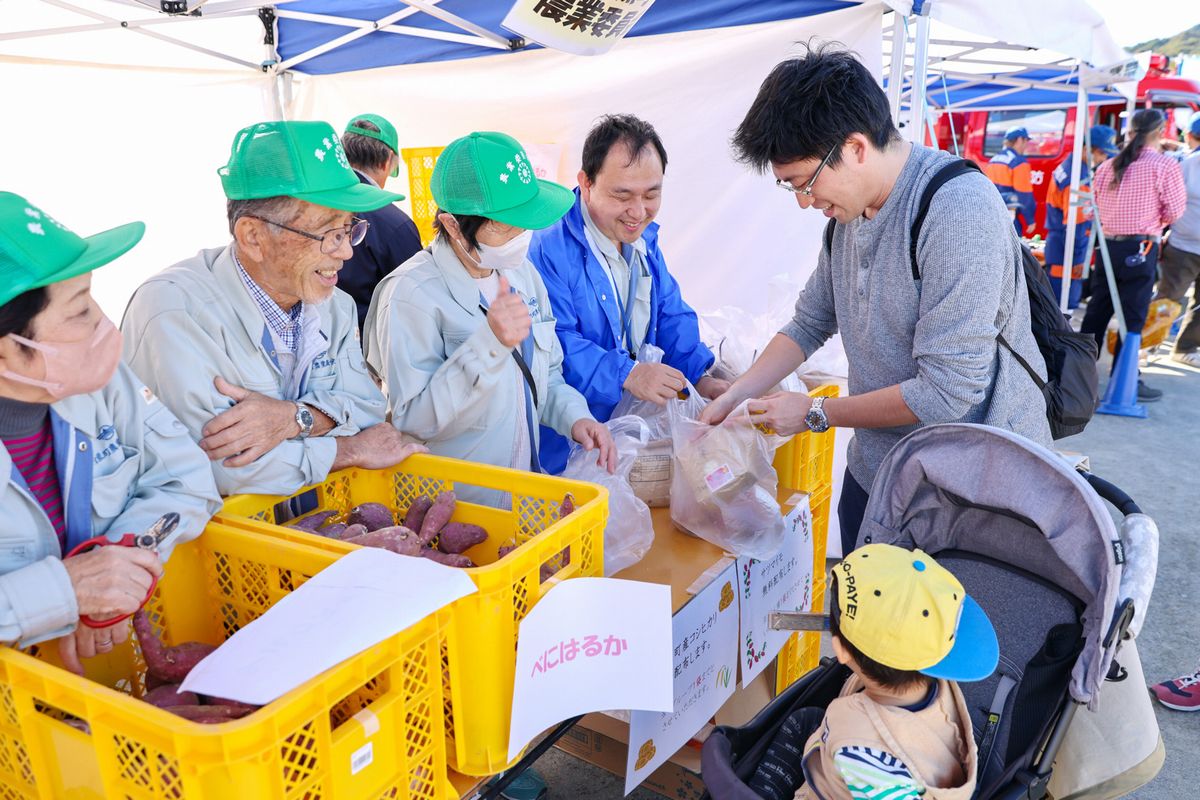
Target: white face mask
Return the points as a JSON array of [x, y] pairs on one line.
[[510, 255]]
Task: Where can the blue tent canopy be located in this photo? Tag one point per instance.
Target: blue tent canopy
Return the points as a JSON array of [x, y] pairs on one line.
[[1031, 88], [298, 36]]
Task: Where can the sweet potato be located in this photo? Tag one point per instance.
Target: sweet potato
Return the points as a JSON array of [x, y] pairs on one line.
[[208, 715], [350, 532], [459, 537], [439, 514], [417, 510], [567, 506], [223, 701], [373, 516], [312, 522], [333, 531], [449, 559], [169, 695], [171, 664], [505, 549], [398, 539]]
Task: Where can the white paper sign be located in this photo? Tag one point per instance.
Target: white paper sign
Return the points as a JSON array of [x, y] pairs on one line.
[[582, 27], [591, 644], [705, 635], [358, 601], [781, 583]]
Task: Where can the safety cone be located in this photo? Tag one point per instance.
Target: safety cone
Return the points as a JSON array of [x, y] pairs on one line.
[[1120, 398]]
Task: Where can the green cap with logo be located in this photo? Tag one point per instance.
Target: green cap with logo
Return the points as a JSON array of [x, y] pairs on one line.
[[386, 134], [36, 250], [489, 175], [304, 160]]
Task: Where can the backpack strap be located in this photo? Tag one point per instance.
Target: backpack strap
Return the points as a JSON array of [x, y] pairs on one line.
[[829, 236], [960, 166], [1037, 379]]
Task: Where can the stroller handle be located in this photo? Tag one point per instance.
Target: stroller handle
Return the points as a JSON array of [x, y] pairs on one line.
[[1123, 502]]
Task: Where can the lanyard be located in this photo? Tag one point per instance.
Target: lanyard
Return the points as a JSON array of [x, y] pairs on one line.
[[523, 358], [624, 309]]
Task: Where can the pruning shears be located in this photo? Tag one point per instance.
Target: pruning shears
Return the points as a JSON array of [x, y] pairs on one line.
[[150, 539]]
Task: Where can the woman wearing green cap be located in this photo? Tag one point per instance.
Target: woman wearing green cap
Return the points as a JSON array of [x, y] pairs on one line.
[[87, 450], [462, 334]]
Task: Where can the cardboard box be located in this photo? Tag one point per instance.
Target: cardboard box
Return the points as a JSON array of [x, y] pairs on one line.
[[603, 741]]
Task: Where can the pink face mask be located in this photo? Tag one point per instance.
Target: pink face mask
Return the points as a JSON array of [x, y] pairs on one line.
[[75, 367]]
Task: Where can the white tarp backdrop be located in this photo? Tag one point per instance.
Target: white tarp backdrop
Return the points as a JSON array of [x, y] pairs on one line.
[[101, 146]]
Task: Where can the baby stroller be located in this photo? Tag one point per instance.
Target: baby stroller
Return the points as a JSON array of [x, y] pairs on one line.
[[1031, 540]]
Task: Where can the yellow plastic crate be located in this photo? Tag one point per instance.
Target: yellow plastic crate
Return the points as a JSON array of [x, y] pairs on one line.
[[805, 464], [420, 161], [480, 660], [65, 736], [1159, 319]]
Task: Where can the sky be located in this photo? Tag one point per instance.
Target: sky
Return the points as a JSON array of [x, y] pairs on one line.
[[1131, 24]]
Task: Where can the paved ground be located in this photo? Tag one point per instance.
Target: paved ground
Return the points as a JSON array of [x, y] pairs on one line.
[[1148, 459]]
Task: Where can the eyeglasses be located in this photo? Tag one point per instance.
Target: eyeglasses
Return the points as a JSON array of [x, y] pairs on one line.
[[806, 189], [332, 239]]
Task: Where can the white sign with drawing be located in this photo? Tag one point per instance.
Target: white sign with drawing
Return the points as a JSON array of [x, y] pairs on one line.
[[591, 644], [781, 583], [705, 650]]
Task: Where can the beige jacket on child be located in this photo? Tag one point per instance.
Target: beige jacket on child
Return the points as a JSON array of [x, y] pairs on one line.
[[935, 743]]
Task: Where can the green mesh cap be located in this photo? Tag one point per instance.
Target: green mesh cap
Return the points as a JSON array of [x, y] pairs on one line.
[[36, 250], [304, 160], [386, 134], [489, 175]]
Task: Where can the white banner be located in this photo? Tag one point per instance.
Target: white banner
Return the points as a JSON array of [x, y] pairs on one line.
[[705, 633], [581, 27], [782, 583]]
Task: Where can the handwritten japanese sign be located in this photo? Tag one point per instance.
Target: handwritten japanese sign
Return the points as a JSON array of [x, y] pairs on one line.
[[704, 635], [591, 644], [780, 583], [582, 27]]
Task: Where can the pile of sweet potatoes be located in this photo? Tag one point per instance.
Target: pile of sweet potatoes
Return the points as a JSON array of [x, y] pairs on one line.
[[166, 667], [426, 529]]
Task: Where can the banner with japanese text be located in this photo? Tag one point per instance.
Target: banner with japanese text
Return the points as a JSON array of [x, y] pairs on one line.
[[582, 27], [781, 583], [591, 644], [705, 650]]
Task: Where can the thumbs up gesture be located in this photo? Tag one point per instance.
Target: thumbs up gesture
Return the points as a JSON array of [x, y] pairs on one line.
[[509, 316]]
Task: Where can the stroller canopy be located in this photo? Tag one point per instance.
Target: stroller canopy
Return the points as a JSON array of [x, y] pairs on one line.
[[990, 492]]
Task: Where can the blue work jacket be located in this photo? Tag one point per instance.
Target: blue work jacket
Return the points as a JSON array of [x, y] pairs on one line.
[[595, 359]]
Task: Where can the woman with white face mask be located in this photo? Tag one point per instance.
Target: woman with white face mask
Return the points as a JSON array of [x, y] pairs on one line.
[[462, 334], [86, 450]]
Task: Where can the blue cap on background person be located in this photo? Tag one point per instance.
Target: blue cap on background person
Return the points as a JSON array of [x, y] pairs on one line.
[[1105, 138], [1012, 134], [1194, 128]]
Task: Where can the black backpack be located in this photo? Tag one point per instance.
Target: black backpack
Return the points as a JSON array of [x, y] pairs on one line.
[[1072, 390]]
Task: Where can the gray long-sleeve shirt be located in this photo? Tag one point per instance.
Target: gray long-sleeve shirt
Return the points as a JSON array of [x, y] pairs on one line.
[[935, 337]]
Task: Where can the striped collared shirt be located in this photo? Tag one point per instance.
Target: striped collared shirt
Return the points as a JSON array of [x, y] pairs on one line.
[[286, 325]]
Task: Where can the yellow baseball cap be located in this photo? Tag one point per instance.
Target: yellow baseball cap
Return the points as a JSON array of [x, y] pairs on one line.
[[906, 611]]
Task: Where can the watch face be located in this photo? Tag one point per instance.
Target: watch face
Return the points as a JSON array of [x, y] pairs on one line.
[[306, 416]]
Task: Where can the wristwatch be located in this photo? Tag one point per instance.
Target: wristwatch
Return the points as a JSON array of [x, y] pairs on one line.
[[815, 419], [304, 419]]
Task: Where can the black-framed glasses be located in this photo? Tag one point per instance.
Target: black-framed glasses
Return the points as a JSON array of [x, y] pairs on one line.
[[806, 189], [332, 239]]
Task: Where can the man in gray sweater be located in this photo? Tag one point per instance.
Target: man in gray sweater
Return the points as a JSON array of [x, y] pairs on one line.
[[921, 351]]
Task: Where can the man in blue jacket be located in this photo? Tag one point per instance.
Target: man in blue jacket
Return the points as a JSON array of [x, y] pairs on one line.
[[609, 285]]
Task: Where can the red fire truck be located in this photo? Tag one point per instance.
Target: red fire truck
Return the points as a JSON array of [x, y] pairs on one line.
[[980, 134]]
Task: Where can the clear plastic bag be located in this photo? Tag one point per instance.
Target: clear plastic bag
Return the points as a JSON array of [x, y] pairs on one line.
[[650, 476], [724, 488], [629, 532]]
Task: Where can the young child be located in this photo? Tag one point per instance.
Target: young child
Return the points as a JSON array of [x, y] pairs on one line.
[[900, 729]]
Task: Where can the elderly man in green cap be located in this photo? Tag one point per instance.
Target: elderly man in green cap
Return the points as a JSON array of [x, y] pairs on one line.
[[373, 149], [250, 344]]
